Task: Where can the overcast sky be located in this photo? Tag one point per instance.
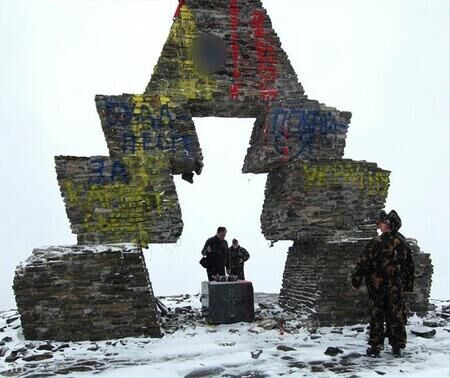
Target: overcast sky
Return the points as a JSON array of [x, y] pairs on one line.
[[385, 61]]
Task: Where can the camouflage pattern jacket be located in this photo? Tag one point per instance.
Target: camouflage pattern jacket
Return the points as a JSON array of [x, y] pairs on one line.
[[386, 262], [236, 258]]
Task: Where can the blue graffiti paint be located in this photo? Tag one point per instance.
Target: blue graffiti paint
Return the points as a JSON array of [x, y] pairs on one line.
[[146, 140], [118, 113], [167, 140], [303, 126], [159, 132], [128, 143], [119, 172], [97, 166], [100, 175]]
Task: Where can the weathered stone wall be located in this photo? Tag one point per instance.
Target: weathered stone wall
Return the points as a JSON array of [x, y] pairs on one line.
[[85, 293], [317, 278], [303, 131], [418, 300], [109, 201], [151, 126], [332, 199]]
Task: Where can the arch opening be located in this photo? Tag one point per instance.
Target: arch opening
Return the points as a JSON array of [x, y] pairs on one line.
[[221, 195]]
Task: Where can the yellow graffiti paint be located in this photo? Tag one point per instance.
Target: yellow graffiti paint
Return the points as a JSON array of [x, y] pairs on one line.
[[192, 84], [164, 100], [356, 175], [123, 209]]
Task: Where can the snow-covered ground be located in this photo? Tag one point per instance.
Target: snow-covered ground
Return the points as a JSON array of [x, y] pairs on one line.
[[193, 348]]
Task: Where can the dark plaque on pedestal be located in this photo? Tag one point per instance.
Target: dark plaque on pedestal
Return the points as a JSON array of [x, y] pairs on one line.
[[228, 302]]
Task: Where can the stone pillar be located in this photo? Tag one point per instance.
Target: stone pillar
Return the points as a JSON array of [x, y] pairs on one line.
[[85, 293], [317, 282]]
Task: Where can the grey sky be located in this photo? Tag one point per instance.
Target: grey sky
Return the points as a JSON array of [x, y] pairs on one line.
[[386, 62]]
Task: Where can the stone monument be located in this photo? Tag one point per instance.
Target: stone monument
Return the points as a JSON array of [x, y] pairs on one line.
[[222, 58]]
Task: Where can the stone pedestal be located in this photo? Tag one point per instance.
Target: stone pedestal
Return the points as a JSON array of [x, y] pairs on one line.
[[228, 302], [317, 282], [85, 293]]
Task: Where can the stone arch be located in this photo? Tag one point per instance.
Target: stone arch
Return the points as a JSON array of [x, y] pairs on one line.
[[223, 59]]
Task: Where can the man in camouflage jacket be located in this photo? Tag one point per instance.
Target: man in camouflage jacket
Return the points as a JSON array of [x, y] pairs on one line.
[[237, 256], [387, 267]]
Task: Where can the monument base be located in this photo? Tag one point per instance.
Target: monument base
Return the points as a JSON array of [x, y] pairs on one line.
[[228, 302], [317, 282], [85, 293]]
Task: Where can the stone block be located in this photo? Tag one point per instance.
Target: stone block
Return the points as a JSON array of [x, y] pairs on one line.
[[228, 302], [143, 124], [331, 199], [113, 201], [104, 292], [301, 131]]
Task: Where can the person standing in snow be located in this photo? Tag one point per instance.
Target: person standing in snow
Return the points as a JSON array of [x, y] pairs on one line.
[[215, 254], [387, 267], [237, 256]]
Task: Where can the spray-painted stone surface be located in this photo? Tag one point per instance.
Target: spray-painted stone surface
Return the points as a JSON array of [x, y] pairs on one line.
[[324, 199], [85, 293], [222, 59], [107, 199]]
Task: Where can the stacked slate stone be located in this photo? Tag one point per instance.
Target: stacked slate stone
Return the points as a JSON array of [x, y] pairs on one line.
[[147, 124], [303, 131], [85, 293], [109, 200], [317, 275], [221, 59], [316, 282], [418, 300], [225, 59], [333, 199], [130, 196]]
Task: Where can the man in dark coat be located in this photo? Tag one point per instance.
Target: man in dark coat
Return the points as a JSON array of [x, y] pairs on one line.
[[215, 252], [237, 255], [387, 267]]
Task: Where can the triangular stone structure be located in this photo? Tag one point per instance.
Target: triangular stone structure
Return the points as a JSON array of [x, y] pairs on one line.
[[223, 59]]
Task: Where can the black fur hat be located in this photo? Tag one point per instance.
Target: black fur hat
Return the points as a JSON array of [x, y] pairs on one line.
[[393, 220]]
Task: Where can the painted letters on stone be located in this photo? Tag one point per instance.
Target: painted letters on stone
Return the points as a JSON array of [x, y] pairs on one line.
[[221, 58]]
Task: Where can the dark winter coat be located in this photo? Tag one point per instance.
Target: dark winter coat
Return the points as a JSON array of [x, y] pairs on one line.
[[217, 259]]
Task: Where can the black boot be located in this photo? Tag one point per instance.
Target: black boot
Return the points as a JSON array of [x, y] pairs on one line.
[[396, 351], [373, 351]]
